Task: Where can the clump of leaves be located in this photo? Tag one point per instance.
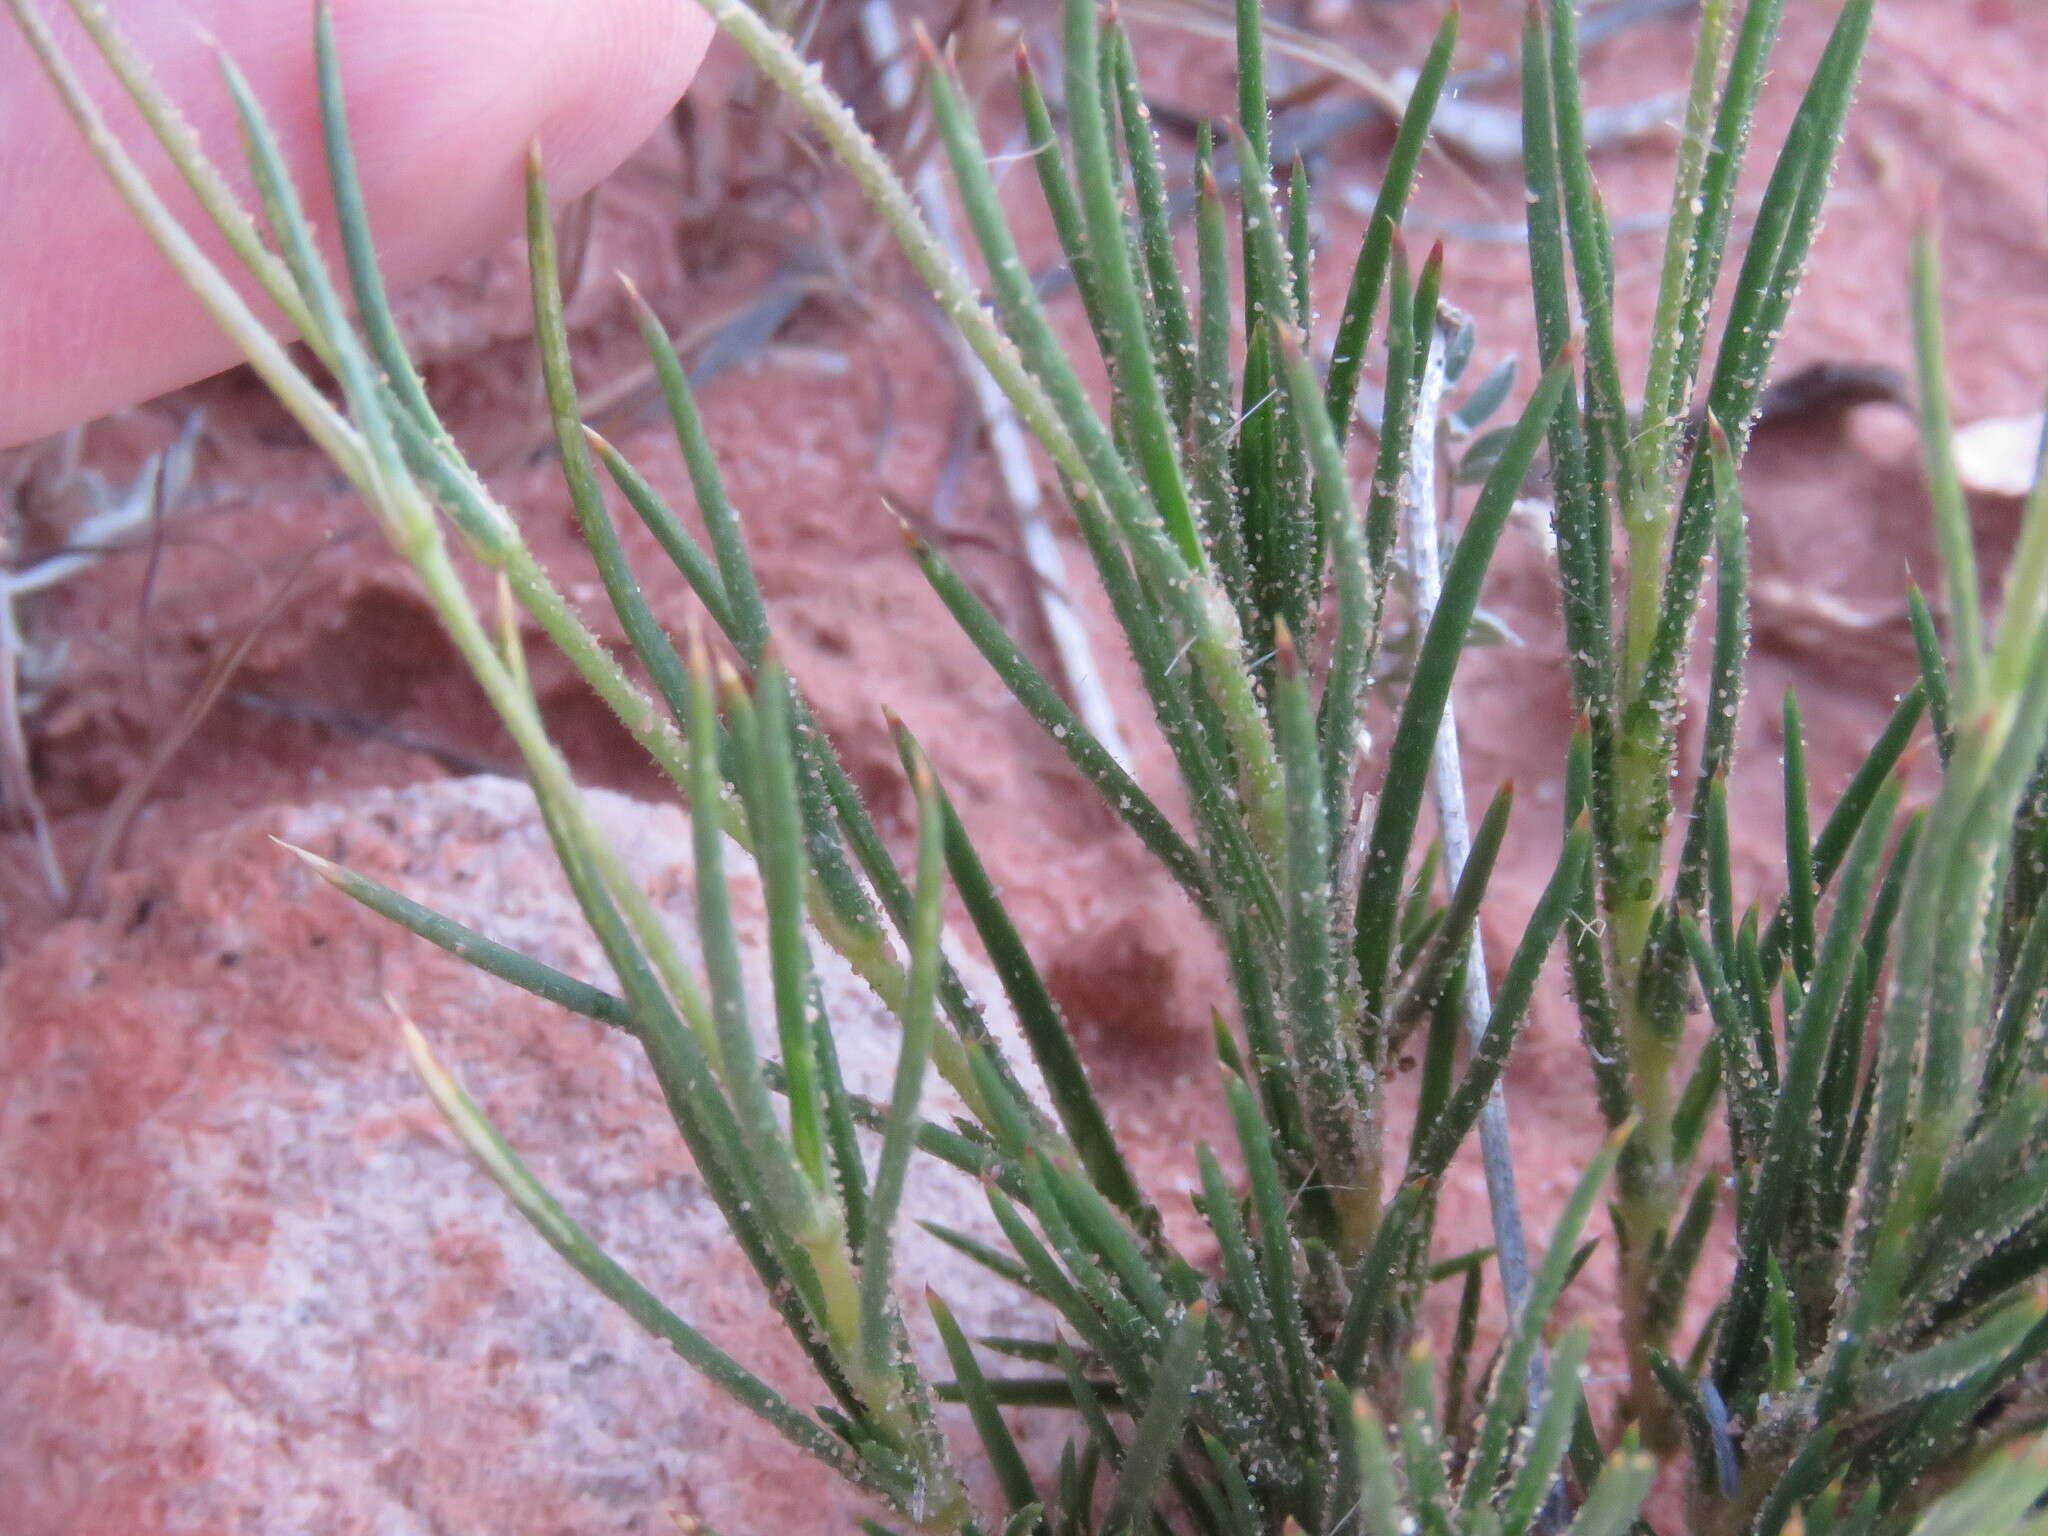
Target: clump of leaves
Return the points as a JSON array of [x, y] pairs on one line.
[[1874, 1037]]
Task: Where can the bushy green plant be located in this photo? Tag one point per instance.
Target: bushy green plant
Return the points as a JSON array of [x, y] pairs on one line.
[[1874, 1038]]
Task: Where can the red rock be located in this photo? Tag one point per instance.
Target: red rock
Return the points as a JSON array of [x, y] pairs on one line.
[[253, 1285]]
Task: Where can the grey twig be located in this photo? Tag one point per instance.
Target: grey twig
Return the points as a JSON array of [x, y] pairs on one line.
[[1006, 437], [1447, 783], [1304, 134], [1314, 128], [155, 491]]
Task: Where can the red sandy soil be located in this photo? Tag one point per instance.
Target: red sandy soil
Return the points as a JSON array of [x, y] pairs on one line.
[[352, 685]]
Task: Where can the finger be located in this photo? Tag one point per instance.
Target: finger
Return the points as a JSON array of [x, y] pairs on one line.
[[443, 99]]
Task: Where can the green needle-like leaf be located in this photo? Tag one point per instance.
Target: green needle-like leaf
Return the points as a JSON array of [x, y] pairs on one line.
[[1432, 971], [1934, 678], [1173, 330], [1004, 1458], [735, 603], [1742, 1074], [1092, 1401], [1429, 691], [1038, 696], [551, 334], [738, 1060], [466, 944], [1378, 1277], [1369, 275], [1380, 1503], [676, 540], [1511, 1377], [1038, 1016], [1861, 792], [1136, 371], [1516, 989], [1057, 186], [568, 1239], [1731, 650], [1333, 1084], [1538, 1471], [918, 1018], [1783, 1163], [352, 224], [1591, 245], [1421, 1448], [1611, 1508], [1247, 1290], [1799, 882], [1944, 479], [781, 852], [1276, 1244], [1161, 1422], [1785, 228], [1680, 1259], [1580, 521]]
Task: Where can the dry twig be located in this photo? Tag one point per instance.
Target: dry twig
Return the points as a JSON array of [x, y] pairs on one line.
[[1006, 438]]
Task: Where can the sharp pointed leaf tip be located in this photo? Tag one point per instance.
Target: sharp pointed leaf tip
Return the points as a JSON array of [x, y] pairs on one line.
[[698, 653], [922, 37], [415, 1043], [1927, 215], [634, 296], [327, 869], [1285, 655]]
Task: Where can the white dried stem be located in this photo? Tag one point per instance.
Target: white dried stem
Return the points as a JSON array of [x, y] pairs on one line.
[[1006, 438], [1419, 503]]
